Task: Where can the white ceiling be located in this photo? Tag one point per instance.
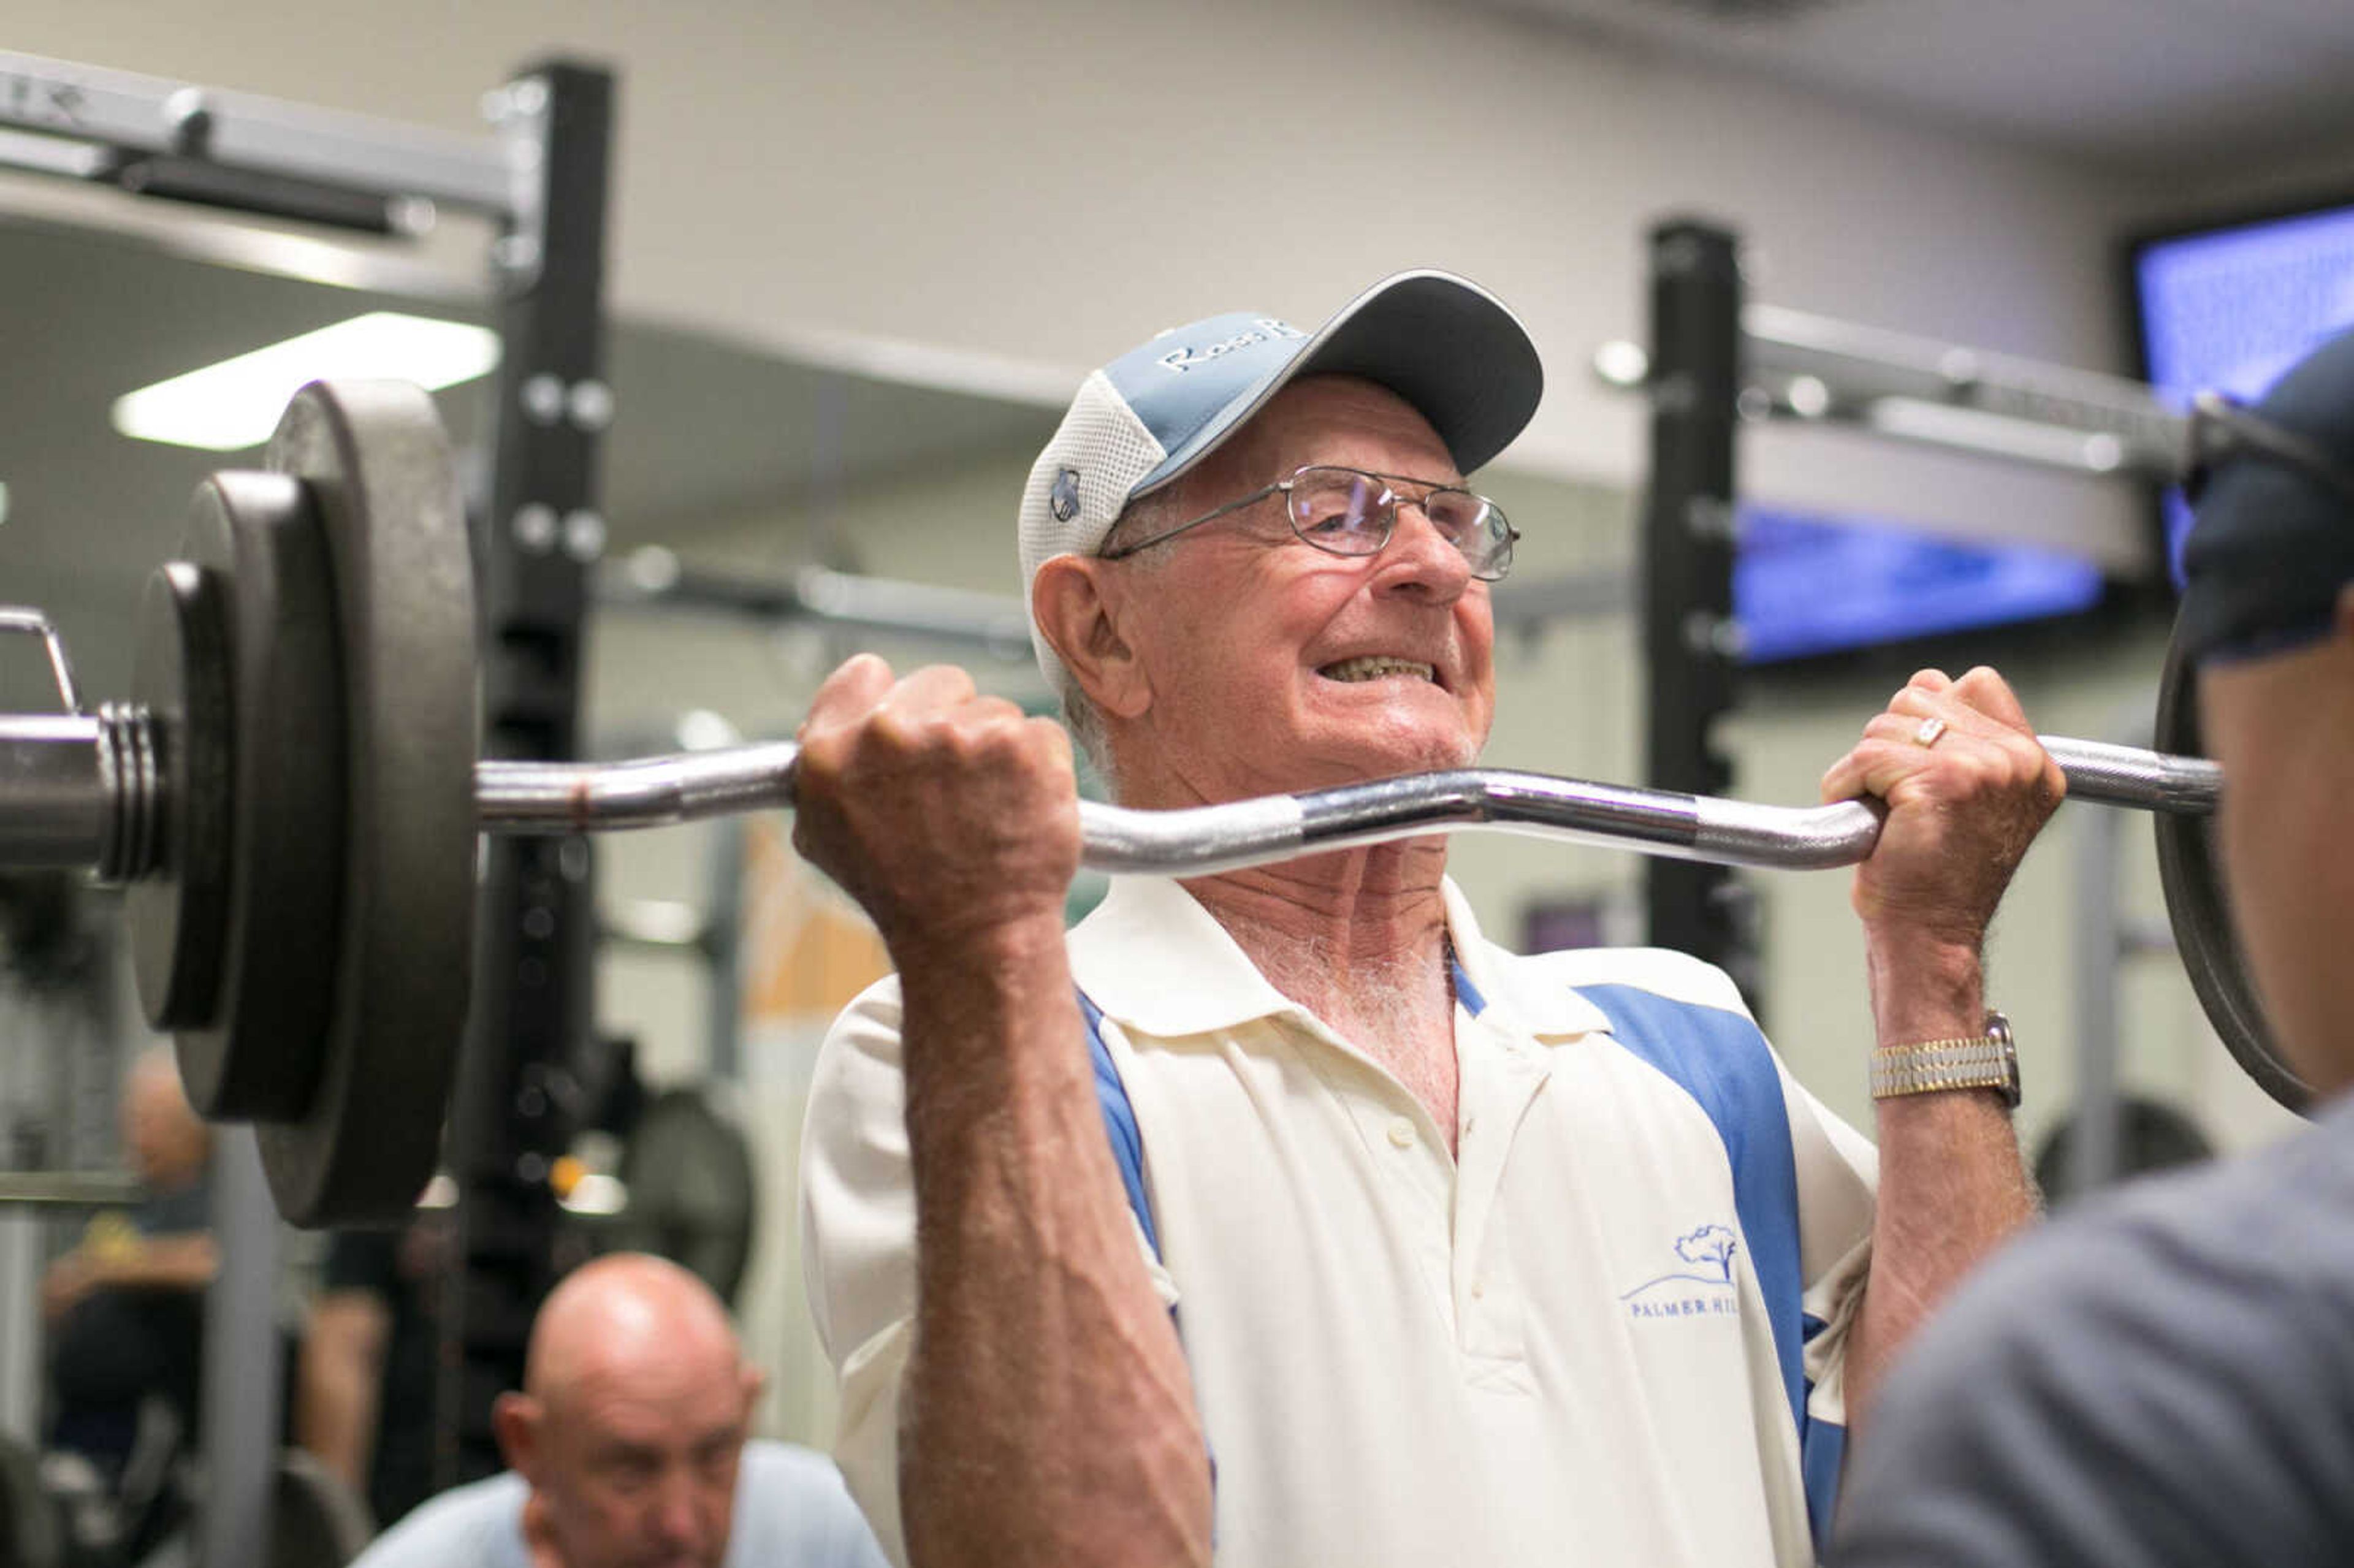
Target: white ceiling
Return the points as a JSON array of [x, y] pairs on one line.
[[2146, 85]]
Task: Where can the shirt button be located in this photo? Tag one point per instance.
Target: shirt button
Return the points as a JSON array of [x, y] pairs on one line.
[[1402, 1133], [1479, 1288]]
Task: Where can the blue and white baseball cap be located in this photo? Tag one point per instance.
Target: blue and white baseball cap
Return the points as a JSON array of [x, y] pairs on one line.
[[1445, 345]]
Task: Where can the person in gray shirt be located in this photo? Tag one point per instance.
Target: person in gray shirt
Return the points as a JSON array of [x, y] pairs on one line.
[[2166, 1375], [627, 1448]]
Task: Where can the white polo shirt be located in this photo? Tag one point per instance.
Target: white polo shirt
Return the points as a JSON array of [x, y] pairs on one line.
[[1608, 1332]]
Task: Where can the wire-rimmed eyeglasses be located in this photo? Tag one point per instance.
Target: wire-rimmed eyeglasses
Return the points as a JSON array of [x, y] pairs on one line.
[[2221, 429], [1348, 512]]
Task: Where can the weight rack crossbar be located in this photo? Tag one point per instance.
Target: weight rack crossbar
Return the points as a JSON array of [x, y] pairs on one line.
[[1967, 399], [160, 136], [1810, 368]]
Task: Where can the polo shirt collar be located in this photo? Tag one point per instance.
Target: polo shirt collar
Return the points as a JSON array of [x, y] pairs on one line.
[[1151, 957], [1518, 996]]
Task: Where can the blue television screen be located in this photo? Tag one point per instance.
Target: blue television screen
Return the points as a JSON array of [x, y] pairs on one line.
[[1806, 584], [2231, 306]]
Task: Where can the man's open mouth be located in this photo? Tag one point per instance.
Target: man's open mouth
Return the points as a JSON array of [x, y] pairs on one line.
[[1375, 666]]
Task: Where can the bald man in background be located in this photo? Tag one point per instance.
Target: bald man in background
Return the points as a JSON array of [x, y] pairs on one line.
[[627, 1448]]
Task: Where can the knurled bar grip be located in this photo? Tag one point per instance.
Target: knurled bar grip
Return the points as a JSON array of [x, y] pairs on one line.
[[560, 798]]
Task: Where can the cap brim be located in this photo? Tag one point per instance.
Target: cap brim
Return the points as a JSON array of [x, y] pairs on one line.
[[1440, 342]]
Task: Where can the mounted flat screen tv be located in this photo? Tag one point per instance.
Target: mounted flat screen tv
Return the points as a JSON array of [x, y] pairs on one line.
[[2230, 304], [1804, 586]]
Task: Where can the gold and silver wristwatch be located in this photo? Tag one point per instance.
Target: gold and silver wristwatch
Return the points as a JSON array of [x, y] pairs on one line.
[[1988, 1061]]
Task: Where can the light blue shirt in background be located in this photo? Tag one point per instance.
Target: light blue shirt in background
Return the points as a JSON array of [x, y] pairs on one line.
[[792, 1511]]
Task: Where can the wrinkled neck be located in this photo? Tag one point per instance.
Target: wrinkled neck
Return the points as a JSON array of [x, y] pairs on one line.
[[1335, 932]]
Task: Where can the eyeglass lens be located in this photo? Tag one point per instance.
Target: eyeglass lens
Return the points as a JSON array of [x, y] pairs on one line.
[[1352, 513]]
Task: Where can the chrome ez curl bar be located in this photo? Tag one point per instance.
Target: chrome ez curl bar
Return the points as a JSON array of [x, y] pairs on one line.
[[657, 791], [80, 792]]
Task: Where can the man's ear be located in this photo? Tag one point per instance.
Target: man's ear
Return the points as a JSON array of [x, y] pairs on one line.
[[1079, 609], [516, 1422], [2345, 617], [753, 1381]]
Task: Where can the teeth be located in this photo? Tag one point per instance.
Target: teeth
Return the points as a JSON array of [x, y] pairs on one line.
[[1373, 666]]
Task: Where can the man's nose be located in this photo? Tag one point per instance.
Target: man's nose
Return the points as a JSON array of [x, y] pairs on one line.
[[678, 1513], [1420, 558]]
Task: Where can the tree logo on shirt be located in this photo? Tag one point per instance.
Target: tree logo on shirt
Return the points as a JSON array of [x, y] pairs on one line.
[[1709, 1253], [1711, 1247]]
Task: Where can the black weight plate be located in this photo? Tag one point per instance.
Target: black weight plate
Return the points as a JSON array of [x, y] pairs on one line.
[[383, 485], [180, 672], [2190, 869], [256, 1053]]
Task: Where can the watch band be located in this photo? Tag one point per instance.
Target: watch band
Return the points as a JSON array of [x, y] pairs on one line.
[[1988, 1061]]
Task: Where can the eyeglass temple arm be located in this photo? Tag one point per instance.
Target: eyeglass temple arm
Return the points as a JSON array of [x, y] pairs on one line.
[[1252, 499]]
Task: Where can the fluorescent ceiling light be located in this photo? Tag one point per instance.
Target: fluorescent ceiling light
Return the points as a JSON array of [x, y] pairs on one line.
[[236, 404]]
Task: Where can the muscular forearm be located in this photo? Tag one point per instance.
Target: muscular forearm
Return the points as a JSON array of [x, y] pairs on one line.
[[1047, 1416], [1951, 1185]]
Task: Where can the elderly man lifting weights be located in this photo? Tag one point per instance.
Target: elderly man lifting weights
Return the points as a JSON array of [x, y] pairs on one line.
[[1281, 1209]]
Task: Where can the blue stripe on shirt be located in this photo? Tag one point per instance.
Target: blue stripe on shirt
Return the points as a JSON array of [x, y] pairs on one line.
[[1822, 1449], [1722, 1060], [1119, 1120], [1128, 1153]]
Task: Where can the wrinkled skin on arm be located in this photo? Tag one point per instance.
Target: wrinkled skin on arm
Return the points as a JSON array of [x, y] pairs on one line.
[[1962, 812], [1046, 1414]]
